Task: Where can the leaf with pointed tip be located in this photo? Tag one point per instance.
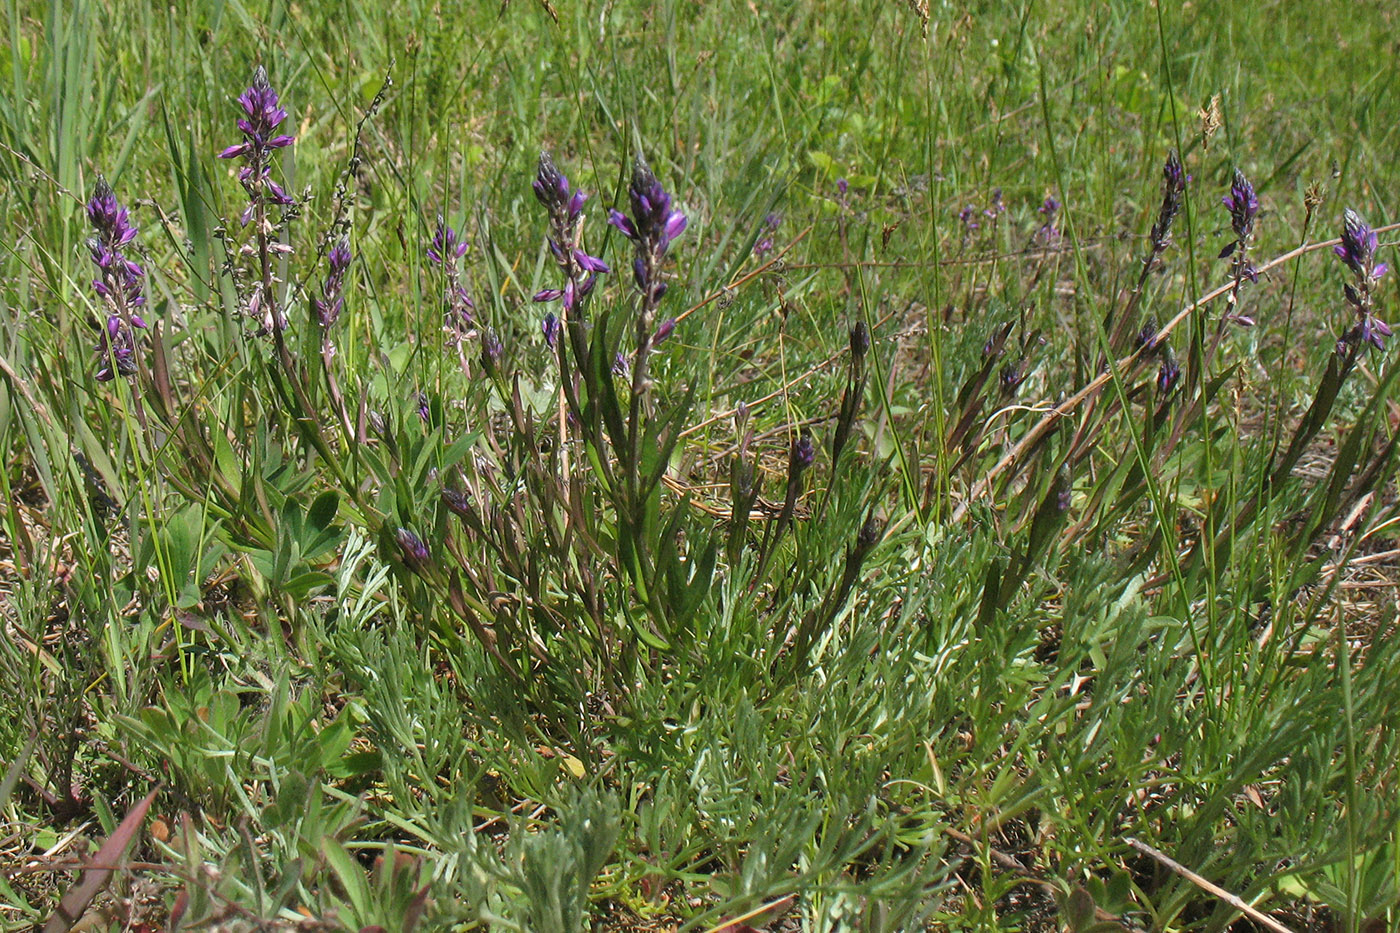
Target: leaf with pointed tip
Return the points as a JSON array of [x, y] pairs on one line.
[[95, 878]]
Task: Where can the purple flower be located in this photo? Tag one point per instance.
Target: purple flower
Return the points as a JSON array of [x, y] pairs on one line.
[[550, 326], [565, 208], [801, 455], [445, 252], [842, 187], [458, 502], [1358, 251], [1358, 247], [764, 246], [446, 246], [412, 549], [667, 328], [331, 302], [652, 227], [1049, 233], [424, 411], [118, 282], [261, 117], [1243, 205], [968, 216], [1174, 179]]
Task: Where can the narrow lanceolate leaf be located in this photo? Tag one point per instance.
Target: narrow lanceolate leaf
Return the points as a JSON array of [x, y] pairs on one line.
[[95, 878]]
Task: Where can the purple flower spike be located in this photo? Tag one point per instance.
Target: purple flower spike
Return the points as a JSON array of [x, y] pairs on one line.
[[654, 224], [262, 115], [118, 283], [445, 252], [1358, 251], [1174, 179], [1049, 233], [1358, 246], [565, 208], [1242, 204], [331, 302], [802, 454]]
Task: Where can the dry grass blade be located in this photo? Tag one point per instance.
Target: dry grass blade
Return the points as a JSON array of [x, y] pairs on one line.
[[95, 877], [1235, 902]]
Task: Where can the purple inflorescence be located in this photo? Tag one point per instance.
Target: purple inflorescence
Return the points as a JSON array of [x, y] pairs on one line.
[[445, 252], [564, 205], [1243, 205], [329, 305], [1358, 251], [261, 116], [1049, 232], [119, 282], [653, 225]]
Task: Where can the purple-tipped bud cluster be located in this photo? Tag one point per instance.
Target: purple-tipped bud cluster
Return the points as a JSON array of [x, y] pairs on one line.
[[1168, 375], [1358, 247], [1147, 337], [1358, 251], [262, 114], [1174, 179], [412, 549], [652, 227], [550, 327], [445, 252], [1049, 232], [968, 216], [491, 349], [771, 223], [801, 455], [447, 247], [564, 204], [1243, 205], [119, 282], [332, 301]]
